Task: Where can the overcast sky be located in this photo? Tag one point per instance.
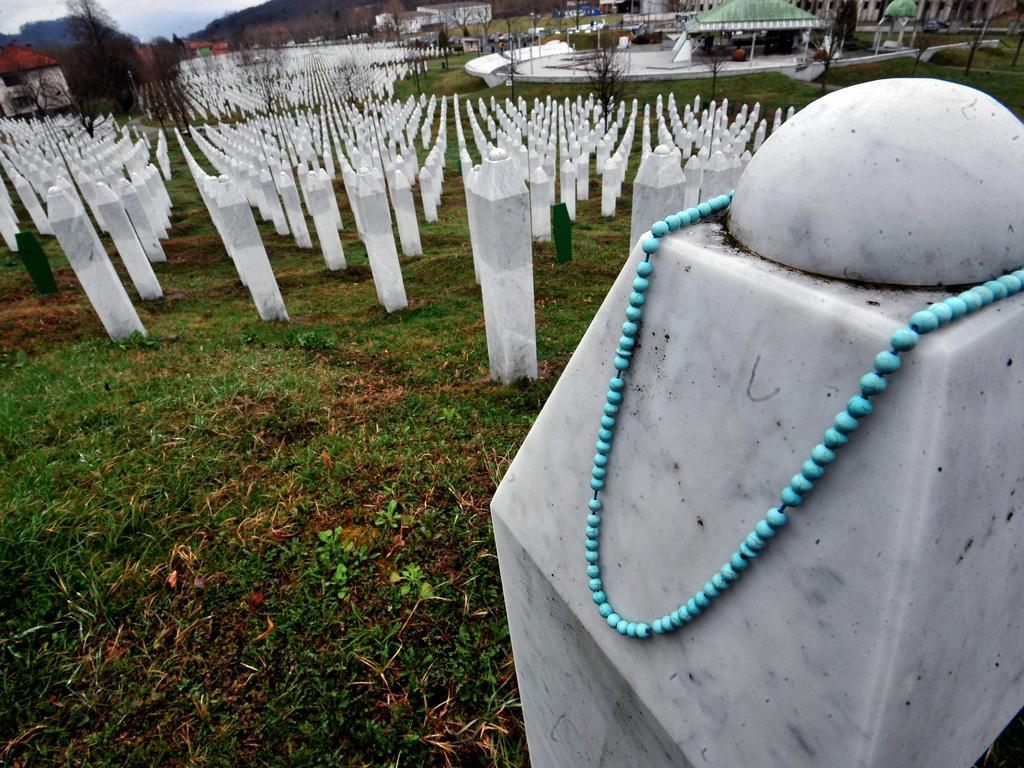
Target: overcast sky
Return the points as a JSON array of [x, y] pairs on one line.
[[145, 18]]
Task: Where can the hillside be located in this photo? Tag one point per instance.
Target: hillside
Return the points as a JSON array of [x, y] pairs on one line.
[[41, 34], [302, 18]]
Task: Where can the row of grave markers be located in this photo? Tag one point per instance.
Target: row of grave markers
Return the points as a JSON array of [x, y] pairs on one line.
[[283, 165]]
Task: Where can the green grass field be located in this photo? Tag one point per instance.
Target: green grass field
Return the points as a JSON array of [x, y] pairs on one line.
[[247, 543]]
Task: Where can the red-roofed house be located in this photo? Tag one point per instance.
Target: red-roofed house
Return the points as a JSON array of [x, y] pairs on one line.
[[200, 49], [30, 83]]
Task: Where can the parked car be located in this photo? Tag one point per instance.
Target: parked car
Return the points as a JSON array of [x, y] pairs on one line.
[[976, 23], [935, 25]]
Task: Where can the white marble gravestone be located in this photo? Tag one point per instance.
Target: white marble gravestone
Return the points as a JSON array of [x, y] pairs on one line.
[[92, 266], [609, 187], [249, 254], [379, 239], [31, 204], [140, 221], [583, 175], [273, 202], [883, 628], [320, 193], [540, 205], [127, 243], [293, 209], [8, 226], [657, 190], [405, 215], [504, 253], [568, 188]]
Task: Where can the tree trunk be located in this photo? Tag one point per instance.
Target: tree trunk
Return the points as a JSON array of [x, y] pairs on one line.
[[974, 47], [1020, 42], [970, 58]]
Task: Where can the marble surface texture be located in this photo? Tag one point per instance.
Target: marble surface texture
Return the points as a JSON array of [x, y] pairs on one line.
[[504, 254], [31, 204], [249, 254], [567, 180], [379, 239], [871, 170], [583, 176], [8, 227], [540, 205], [427, 195], [469, 176], [883, 628], [657, 190], [91, 265], [609, 188], [324, 220], [274, 203], [405, 216], [293, 209], [127, 243], [140, 221]]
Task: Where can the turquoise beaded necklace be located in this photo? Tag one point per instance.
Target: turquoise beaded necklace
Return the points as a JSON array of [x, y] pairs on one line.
[[836, 436]]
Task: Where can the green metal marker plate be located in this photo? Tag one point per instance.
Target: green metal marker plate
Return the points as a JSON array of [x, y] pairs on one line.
[[561, 229], [35, 262]]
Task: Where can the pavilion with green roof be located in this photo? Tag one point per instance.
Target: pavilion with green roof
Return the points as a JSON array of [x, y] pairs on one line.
[[756, 15], [900, 9], [900, 12]]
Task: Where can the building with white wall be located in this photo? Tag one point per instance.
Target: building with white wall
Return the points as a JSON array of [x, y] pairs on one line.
[[870, 10], [458, 14], [30, 83], [408, 23]]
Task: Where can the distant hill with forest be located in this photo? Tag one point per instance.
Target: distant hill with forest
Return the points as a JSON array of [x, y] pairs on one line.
[[40, 34]]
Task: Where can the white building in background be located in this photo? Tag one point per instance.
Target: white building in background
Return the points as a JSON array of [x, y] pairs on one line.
[[870, 10], [458, 14], [408, 23], [655, 6]]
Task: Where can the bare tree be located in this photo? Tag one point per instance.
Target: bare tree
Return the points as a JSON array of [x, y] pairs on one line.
[[392, 12], [160, 75], [388, 27], [443, 43], [89, 23], [1020, 31], [921, 44], [975, 44], [606, 69], [845, 24], [98, 67], [716, 57], [45, 90], [842, 27], [486, 21], [348, 79], [577, 12], [86, 89], [263, 70], [463, 16], [357, 19]]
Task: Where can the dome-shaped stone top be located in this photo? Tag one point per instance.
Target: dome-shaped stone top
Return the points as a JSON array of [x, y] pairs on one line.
[[903, 181]]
